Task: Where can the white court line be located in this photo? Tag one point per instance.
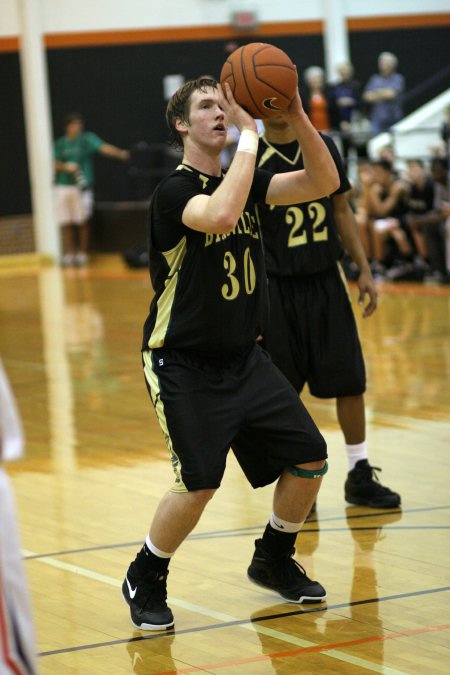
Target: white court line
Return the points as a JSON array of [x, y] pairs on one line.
[[220, 616]]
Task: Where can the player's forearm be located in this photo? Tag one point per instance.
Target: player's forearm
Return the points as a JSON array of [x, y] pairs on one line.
[[220, 212], [430, 218], [382, 207], [68, 167], [349, 234], [228, 201], [353, 246], [318, 162], [370, 96], [112, 151]]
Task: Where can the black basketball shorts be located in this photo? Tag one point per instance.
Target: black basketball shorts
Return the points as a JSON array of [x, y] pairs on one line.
[[205, 406], [312, 334]]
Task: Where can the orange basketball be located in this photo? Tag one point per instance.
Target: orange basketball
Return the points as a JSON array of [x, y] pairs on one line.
[[262, 77]]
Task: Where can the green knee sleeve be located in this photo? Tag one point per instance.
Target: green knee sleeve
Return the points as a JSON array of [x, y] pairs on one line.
[[306, 473]]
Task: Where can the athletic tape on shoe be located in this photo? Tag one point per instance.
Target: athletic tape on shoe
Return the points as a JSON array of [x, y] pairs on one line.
[[306, 473]]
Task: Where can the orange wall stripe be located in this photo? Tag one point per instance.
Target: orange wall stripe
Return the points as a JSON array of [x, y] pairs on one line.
[[137, 36], [9, 44], [289, 28], [179, 34], [404, 21], [225, 32]]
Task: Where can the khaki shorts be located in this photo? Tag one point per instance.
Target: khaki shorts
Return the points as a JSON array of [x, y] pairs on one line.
[[73, 206]]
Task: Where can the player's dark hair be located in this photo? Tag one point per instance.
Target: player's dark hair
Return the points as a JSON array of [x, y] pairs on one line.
[[384, 164], [416, 160], [73, 117], [440, 162], [179, 105]]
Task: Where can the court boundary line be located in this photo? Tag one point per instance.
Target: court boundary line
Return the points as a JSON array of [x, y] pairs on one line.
[[250, 531], [230, 621], [317, 648]]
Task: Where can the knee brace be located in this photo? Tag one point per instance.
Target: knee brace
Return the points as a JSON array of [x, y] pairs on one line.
[[306, 473]]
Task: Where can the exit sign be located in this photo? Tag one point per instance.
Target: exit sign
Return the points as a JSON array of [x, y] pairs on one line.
[[247, 20]]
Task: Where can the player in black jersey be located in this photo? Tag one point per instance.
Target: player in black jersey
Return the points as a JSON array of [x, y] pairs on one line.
[[211, 384], [312, 335]]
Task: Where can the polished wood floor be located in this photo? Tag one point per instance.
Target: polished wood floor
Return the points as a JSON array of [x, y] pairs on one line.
[[96, 467]]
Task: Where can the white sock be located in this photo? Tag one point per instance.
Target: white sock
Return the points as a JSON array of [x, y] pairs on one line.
[[355, 453], [283, 525], [155, 550]]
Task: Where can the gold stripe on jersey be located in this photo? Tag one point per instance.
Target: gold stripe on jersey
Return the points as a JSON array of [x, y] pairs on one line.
[[153, 383], [174, 259], [344, 280], [204, 179], [270, 151], [347, 290]]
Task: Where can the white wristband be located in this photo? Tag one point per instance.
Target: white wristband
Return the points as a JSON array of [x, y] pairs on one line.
[[248, 142]]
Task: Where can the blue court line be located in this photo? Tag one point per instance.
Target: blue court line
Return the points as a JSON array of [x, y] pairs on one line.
[[250, 531], [239, 622]]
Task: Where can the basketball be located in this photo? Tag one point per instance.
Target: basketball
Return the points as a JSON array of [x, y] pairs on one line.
[[262, 77]]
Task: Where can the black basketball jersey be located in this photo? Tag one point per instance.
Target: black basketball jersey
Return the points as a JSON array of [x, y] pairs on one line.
[[210, 289], [303, 238], [400, 207], [420, 199]]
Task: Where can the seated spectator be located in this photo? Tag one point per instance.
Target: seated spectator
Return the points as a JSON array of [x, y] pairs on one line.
[[419, 210], [360, 203], [387, 152], [445, 134], [386, 208], [347, 96], [404, 221], [318, 100], [437, 227], [384, 92]]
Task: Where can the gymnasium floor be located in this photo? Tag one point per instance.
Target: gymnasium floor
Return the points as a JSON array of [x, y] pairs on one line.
[[96, 467]]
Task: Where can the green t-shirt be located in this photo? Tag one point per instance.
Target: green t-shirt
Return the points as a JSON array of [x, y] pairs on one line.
[[79, 150]]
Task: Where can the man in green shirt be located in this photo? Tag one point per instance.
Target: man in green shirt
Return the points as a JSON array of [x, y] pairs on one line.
[[74, 179]]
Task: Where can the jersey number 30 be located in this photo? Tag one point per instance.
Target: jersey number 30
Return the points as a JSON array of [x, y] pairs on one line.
[[232, 287]]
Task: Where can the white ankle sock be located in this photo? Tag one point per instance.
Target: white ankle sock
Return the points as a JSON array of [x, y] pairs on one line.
[[355, 453], [283, 525], [155, 550]]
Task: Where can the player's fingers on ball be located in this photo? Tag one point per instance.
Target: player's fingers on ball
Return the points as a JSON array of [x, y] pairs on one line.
[[220, 91], [228, 93]]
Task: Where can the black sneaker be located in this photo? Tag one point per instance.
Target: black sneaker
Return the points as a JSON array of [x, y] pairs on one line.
[[364, 488], [147, 597], [284, 575]]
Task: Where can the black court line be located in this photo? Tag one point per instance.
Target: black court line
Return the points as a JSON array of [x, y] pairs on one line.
[[233, 534], [248, 531], [401, 511], [240, 622]]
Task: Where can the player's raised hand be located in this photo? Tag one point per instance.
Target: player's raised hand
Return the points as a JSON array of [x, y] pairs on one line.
[[295, 107], [235, 113]]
